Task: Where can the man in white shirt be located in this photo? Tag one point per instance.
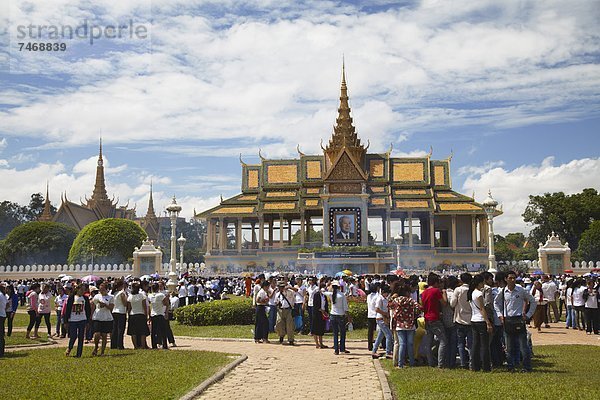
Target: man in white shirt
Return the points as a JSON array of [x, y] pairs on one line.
[[182, 294], [372, 313], [191, 289], [550, 292], [309, 298], [462, 319]]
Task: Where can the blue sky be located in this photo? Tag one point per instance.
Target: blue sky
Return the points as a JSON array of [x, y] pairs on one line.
[[511, 88]]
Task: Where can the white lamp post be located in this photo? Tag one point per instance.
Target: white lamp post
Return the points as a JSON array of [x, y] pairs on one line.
[[92, 251], [489, 205], [398, 240], [173, 209], [181, 242]]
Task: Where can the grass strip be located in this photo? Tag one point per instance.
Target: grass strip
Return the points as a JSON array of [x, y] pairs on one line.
[[121, 374], [559, 372]]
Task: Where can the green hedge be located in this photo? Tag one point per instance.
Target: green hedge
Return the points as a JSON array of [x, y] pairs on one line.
[[234, 312], [358, 311], [220, 312]]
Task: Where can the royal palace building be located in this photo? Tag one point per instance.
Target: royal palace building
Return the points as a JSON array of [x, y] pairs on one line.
[[357, 200]]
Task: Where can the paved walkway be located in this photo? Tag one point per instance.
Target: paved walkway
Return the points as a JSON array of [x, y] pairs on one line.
[[274, 371]]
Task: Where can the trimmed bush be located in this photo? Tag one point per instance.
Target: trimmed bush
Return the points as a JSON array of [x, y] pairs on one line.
[[37, 243], [220, 312], [234, 312], [113, 240], [358, 312]]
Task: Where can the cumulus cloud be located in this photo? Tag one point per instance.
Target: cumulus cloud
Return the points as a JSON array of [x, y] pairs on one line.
[[271, 72], [512, 188]]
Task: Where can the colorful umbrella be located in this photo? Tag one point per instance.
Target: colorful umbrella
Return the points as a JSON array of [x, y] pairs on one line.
[[347, 272], [90, 278]]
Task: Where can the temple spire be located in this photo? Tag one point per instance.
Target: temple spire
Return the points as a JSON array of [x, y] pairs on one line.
[[344, 133], [47, 213], [99, 193], [150, 213]]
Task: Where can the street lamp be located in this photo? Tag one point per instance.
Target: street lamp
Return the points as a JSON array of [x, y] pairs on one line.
[[173, 209], [92, 251], [398, 240], [181, 242], [489, 205]]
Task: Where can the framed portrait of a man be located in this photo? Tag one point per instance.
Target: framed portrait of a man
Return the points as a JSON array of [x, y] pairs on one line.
[[344, 226]]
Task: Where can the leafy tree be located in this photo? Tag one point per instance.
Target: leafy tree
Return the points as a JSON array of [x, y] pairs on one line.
[[514, 247], [589, 245], [112, 240], [36, 207], [11, 216], [313, 236], [193, 231], [567, 215], [38, 243]]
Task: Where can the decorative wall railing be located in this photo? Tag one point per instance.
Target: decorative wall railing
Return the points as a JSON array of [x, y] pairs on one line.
[[80, 270], [575, 266]]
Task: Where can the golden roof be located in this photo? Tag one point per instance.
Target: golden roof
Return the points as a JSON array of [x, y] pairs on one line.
[[280, 206], [234, 210], [282, 173]]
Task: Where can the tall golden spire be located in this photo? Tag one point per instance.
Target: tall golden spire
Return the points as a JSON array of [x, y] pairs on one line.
[[150, 213], [344, 133], [47, 213], [99, 193]]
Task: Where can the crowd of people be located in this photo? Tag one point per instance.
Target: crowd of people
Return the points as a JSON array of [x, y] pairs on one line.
[[475, 322]]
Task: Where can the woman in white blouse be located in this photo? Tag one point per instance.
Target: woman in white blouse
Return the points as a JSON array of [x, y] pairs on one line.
[[138, 315]]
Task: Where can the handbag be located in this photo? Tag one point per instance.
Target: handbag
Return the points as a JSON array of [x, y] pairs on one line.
[[514, 325], [350, 327]]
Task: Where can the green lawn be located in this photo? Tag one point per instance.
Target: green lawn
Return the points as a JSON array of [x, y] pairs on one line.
[[21, 320], [243, 332], [560, 372], [125, 374], [19, 338]]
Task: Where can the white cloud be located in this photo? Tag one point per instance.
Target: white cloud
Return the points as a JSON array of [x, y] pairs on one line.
[[512, 187], [273, 75], [3, 144]]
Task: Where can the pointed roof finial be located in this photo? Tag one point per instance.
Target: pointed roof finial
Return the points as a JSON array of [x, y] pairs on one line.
[[47, 212], [343, 70], [151, 213]]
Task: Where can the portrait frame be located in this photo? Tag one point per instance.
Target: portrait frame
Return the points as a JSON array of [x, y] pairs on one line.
[[335, 217]]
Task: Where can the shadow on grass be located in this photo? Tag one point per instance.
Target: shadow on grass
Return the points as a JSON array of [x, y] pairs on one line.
[[18, 354]]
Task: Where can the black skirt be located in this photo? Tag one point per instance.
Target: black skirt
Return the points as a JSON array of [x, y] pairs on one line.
[[102, 326], [138, 325]]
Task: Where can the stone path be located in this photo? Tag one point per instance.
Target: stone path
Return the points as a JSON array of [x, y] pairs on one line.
[[301, 371]]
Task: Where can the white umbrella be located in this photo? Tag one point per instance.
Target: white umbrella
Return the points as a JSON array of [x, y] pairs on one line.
[[145, 278], [66, 278], [61, 275]]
